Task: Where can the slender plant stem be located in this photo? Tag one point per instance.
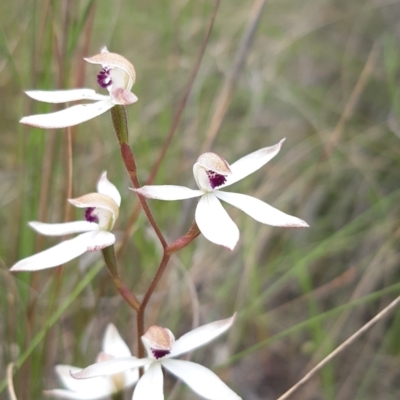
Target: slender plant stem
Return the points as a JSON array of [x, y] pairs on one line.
[[111, 262], [120, 123], [147, 296], [342, 347], [176, 246]]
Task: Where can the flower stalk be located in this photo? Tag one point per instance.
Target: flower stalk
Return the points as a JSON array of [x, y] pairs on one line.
[[120, 123], [111, 263]]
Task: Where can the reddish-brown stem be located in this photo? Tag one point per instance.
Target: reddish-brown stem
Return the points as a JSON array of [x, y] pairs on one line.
[[147, 296], [174, 247], [184, 240], [120, 123], [130, 165], [111, 263]]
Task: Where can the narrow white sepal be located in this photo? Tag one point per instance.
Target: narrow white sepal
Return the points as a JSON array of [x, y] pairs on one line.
[[68, 117], [65, 228], [200, 336], [68, 394], [88, 389], [113, 344], [251, 163], [56, 255], [150, 385], [260, 211], [168, 192], [113, 366], [215, 223], [65, 96], [104, 186], [200, 379], [101, 240]]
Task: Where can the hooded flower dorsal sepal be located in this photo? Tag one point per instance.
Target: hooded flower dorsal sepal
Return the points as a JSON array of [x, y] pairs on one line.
[[102, 209], [161, 348], [158, 341], [117, 76], [212, 173]]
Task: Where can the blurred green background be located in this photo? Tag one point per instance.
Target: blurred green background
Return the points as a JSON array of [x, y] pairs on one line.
[[322, 73]]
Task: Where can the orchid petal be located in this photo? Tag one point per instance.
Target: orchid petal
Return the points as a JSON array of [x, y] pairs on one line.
[[131, 376], [123, 96], [215, 223], [113, 344], [113, 366], [168, 192], [98, 387], [200, 336], [63, 228], [67, 394], [65, 96], [260, 211], [200, 379], [150, 385], [56, 255], [251, 163], [68, 117], [104, 186], [101, 240]]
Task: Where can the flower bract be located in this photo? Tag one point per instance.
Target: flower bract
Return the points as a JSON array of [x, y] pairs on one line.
[[101, 387], [161, 348], [212, 173], [117, 76], [102, 209]]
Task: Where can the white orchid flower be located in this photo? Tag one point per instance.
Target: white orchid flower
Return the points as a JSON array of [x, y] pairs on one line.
[[101, 387], [213, 173], [102, 209], [117, 75], [161, 348]]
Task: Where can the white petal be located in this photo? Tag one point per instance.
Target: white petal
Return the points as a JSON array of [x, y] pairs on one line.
[[113, 366], [150, 385], [68, 117], [131, 376], [200, 379], [64, 96], [104, 186], [64, 228], [215, 223], [250, 163], [260, 211], [67, 394], [113, 344], [168, 192], [101, 240], [56, 255], [200, 336], [89, 388]]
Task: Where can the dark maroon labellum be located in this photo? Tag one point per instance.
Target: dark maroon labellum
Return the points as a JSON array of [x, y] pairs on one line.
[[104, 78], [216, 179], [159, 353], [90, 216]]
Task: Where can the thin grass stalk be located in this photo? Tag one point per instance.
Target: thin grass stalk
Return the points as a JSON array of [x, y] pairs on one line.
[[341, 348]]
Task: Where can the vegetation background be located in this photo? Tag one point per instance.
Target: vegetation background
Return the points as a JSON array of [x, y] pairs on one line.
[[322, 73]]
